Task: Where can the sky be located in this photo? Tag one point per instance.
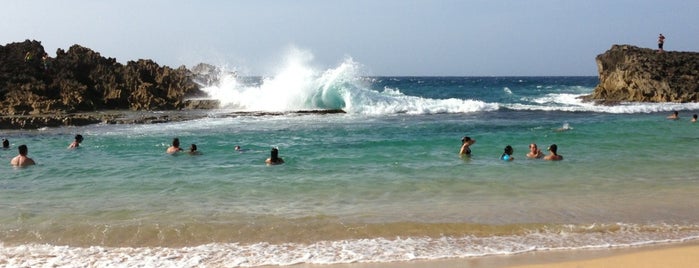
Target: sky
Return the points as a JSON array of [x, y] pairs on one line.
[[386, 37]]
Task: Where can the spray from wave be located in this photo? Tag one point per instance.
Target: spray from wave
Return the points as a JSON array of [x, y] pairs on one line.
[[297, 86]]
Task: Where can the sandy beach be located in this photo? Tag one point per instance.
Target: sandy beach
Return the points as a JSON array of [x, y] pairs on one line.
[[667, 255]]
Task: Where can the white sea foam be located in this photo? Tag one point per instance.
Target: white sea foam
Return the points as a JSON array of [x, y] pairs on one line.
[[572, 103], [297, 86], [333, 252]]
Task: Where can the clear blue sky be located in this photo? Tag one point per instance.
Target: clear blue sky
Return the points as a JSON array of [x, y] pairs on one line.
[[388, 37]]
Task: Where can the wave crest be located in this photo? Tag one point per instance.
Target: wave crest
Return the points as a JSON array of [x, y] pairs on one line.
[[299, 87]]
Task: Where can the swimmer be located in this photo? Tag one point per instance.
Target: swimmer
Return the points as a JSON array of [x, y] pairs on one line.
[[553, 156], [694, 120], [5, 144], [565, 127], [534, 152], [674, 116], [175, 146], [465, 143], [193, 150], [22, 160], [507, 155], [274, 158], [76, 142]]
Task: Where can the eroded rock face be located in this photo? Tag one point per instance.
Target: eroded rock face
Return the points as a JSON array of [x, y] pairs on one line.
[[80, 80], [629, 73]]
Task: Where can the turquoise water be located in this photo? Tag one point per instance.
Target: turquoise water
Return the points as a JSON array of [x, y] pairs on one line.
[[383, 182]]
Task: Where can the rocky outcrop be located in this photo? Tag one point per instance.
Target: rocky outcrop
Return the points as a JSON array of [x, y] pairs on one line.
[[629, 73], [81, 80]]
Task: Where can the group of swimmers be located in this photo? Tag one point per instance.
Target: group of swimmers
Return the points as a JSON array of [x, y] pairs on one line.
[[676, 116], [274, 158], [534, 151], [22, 159]]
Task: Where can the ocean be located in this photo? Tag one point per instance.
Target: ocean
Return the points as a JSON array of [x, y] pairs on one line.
[[382, 182]]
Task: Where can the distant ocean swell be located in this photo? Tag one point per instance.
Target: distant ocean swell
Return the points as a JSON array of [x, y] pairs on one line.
[[378, 249]]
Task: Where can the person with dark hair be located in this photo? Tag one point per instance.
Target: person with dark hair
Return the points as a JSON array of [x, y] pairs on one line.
[[175, 146], [22, 160], [193, 150], [507, 155], [76, 142], [694, 118], [466, 142], [274, 158], [674, 116], [661, 42], [5, 144], [554, 156]]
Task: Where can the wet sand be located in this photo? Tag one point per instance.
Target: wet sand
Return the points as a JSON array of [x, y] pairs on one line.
[[657, 256]]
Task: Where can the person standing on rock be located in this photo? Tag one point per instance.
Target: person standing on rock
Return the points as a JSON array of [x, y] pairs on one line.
[[661, 41]]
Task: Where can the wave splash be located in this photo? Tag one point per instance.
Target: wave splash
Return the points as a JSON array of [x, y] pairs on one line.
[[297, 86]]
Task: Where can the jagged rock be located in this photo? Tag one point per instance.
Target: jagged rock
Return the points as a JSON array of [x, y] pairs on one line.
[[629, 73], [80, 80], [201, 104]]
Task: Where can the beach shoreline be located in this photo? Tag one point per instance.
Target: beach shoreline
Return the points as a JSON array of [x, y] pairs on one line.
[[676, 255]]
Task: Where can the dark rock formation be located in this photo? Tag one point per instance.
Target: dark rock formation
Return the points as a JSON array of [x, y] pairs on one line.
[[80, 80], [629, 73]]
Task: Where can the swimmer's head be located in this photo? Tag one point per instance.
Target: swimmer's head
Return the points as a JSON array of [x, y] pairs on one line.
[[465, 139], [176, 142], [509, 150], [553, 148], [193, 148], [274, 154], [79, 138], [23, 149]]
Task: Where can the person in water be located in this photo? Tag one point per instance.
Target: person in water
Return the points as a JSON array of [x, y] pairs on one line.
[[240, 149], [507, 155], [466, 142], [274, 158], [534, 152], [5, 144], [175, 146], [22, 160], [553, 155], [76, 142], [674, 116], [693, 120], [193, 150]]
